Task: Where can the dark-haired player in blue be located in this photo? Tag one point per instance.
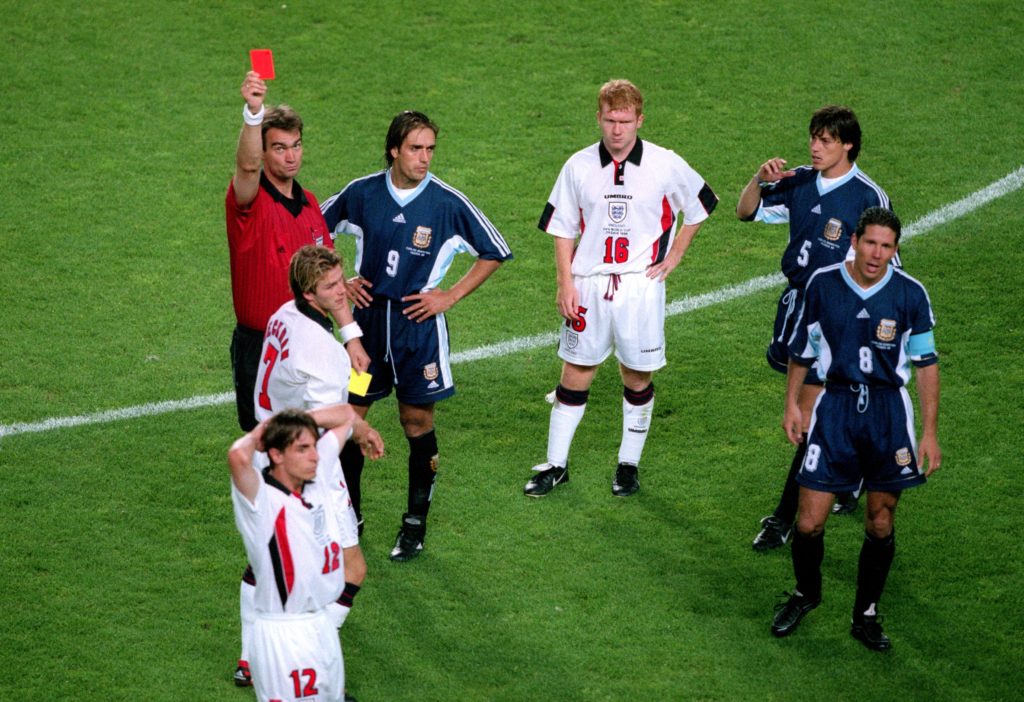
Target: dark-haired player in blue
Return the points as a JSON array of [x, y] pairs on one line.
[[408, 226], [863, 324], [821, 202]]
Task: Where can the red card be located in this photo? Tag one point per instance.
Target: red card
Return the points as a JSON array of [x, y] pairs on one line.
[[262, 62]]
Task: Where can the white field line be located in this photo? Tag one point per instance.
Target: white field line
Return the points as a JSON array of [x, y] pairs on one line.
[[948, 213]]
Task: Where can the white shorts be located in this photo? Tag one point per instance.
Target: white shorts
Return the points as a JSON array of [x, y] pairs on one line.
[[633, 321], [296, 656]]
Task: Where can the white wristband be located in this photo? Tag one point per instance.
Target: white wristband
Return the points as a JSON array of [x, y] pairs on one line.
[[253, 120], [350, 331]]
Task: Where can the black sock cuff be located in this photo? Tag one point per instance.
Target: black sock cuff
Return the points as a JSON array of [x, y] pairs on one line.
[[571, 397], [638, 397], [808, 538], [348, 594], [423, 445], [883, 542]]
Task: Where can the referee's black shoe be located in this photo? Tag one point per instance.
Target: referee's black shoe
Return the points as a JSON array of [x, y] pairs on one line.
[[789, 613], [867, 629], [626, 481], [545, 480], [409, 543]]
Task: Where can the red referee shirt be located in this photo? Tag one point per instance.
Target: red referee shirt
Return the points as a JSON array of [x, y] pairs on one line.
[[261, 239]]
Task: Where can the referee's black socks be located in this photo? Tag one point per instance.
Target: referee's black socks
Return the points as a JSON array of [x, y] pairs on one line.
[[352, 461]]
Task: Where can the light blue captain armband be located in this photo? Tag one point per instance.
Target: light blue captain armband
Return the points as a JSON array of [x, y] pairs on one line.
[[774, 214], [921, 346]]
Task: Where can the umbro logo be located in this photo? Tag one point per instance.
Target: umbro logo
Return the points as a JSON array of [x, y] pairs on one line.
[[863, 314], [400, 218]]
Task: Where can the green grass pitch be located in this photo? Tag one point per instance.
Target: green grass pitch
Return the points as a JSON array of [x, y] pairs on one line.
[[119, 555]]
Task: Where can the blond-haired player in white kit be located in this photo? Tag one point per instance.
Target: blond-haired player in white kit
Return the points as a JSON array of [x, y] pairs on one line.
[[288, 516], [620, 198], [303, 365]]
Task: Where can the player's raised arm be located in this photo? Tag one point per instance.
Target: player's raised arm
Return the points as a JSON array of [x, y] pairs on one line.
[[249, 155], [772, 170], [330, 417], [245, 478]]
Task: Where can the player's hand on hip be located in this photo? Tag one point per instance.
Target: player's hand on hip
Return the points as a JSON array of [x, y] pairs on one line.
[[773, 170], [660, 271], [427, 304], [358, 290], [253, 91]]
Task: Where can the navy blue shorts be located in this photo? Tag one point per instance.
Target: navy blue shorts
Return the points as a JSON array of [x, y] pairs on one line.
[[859, 432], [409, 356], [786, 313]]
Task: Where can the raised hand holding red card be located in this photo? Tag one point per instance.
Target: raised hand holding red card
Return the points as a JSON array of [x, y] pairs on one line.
[[262, 62]]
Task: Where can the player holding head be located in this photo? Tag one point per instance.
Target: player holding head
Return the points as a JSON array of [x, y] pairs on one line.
[[613, 215], [821, 203], [409, 225], [291, 523], [875, 322], [304, 366]]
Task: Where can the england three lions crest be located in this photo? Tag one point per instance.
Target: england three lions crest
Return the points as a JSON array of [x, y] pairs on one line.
[[421, 237], [833, 230], [617, 212], [886, 330]]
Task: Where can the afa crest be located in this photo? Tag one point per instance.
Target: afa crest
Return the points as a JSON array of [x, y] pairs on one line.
[[421, 237], [617, 212], [886, 330], [430, 371], [833, 229], [903, 457]]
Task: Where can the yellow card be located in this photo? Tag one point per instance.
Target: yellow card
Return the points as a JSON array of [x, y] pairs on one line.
[[359, 383]]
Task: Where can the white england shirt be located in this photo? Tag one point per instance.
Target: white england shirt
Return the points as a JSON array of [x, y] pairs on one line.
[[294, 541], [302, 365], [625, 213]]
